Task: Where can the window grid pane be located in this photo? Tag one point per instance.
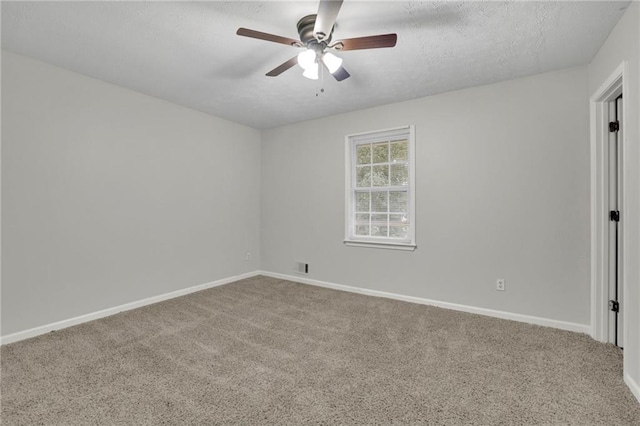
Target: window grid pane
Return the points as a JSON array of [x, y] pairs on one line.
[[381, 214], [363, 154], [381, 167], [380, 188]]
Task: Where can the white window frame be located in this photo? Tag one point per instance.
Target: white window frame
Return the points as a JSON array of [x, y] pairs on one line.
[[379, 242]]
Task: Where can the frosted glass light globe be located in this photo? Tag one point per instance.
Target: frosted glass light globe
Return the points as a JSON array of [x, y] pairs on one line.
[[306, 58], [332, 62]]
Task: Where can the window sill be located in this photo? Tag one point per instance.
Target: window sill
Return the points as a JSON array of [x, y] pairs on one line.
[[381, 245]]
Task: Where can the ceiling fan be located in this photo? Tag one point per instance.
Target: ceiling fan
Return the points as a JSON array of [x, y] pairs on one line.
[[315, 36]]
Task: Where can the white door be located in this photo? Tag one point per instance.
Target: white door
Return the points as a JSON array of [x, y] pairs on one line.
[[615, 223]]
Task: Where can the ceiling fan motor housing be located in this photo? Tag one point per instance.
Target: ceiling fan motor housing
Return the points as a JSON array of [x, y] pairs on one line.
[[307, 36]]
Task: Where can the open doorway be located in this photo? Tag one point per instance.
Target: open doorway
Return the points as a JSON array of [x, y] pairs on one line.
[[607, 211]]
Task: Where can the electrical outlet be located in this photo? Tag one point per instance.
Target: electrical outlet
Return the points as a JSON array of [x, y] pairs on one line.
[[248, 256], [500, 285]]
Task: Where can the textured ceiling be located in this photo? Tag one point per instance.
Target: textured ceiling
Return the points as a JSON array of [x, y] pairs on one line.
[[188, 53]]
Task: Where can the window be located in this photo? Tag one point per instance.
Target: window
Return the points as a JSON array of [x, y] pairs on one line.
[[380, 201]]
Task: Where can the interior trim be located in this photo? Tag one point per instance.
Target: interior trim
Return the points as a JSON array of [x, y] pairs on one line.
[[616, 82], [546, 322], [635, 388], [36, 331]]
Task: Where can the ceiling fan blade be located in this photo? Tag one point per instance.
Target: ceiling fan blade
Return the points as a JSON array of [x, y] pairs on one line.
[[245, 32], [282, 68], [327, 14], [370, 42], [341, 74]]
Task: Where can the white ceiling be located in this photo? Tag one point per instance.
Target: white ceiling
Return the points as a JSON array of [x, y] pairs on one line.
[[188, 52]]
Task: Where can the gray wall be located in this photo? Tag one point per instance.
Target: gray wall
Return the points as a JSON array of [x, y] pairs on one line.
[[502, 192], [623, 44], [110, 196]]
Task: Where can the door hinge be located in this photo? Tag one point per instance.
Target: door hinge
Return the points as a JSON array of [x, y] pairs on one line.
[[614, 126], [614, 216], [614, 306]]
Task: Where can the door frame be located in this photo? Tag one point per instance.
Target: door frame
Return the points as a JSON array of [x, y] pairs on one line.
[[610, 89]]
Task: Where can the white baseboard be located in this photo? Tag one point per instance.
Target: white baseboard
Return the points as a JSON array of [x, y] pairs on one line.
[[563, 325], [36, 331], [635, 388]]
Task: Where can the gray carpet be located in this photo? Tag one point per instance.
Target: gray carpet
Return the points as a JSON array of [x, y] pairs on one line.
[[267, 351]]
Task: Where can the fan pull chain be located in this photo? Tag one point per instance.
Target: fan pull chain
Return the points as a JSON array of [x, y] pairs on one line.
[[320, 81]]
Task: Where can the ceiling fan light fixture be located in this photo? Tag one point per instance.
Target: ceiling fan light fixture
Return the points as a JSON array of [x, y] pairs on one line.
[[311, 72], [316, 33], [332, 62], [307, 58]]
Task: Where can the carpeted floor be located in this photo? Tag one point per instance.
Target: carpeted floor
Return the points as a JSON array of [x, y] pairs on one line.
[[267, 351]]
